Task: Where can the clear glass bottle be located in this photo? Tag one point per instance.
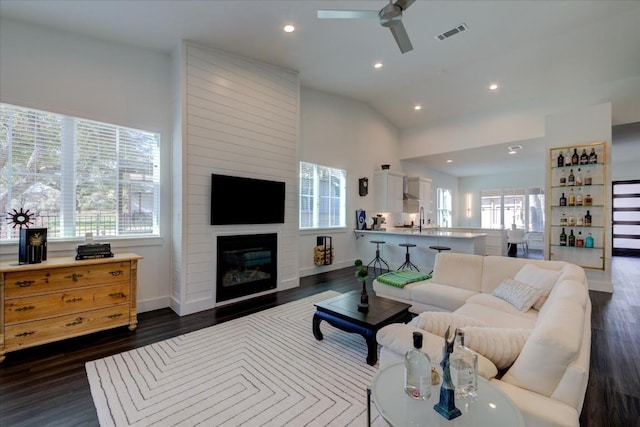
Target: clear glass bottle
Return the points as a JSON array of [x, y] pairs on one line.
[[588, 200], [579, 240], [579, 197], [563, 220], [563, 179], [572, 220], [464, 368], [417, 371], [575, 158], [572, 198], [587, 177], [579, 177], [567, 158]]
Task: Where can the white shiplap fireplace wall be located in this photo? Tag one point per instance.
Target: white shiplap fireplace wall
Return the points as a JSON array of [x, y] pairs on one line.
[[234, 116]]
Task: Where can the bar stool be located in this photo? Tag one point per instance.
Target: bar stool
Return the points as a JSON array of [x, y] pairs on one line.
[[408, 265], [439, 249], [378, 261]]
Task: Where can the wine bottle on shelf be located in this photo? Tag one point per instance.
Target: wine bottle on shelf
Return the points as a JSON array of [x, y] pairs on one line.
[[563, 238], [588, 200], [563, 200], [587, 177], [572, 238], [587, 219], [572, 179], [563, 179], [579, 177], [572, 198], [584, 157], [588, 242], [563, 219], [567, 158], [579, 240], [575, 159], [560, 159], [579, 198], [417, 371], [593, 157]]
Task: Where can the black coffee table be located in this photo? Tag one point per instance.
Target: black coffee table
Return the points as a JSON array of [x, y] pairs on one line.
[[342, 312]]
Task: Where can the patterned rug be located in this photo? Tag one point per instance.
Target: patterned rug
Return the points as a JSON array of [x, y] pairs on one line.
[[265, 369]]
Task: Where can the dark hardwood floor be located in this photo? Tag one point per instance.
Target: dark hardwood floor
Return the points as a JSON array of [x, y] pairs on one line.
[[47, 385]]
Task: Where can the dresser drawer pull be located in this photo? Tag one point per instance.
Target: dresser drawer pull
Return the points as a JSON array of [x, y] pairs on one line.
[[25, 308], [78, 321], [24, 334], [116, 273], [74, 276], [117, 295], [114, 316], [25, 283], [78, 299]]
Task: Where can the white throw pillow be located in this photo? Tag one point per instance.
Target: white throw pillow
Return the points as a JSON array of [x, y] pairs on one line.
[[540, 278], [518, 294], [437, 322], [500, 345]]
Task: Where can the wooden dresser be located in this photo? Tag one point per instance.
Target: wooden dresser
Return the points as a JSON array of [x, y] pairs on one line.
[[63, 298]]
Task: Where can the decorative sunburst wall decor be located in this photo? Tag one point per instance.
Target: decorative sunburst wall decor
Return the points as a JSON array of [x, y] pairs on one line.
[[20, 218]]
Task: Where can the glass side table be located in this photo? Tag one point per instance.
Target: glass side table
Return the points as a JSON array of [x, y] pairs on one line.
[[491, 408]]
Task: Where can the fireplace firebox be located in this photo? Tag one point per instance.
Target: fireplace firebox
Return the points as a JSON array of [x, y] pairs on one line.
[[247, 264]]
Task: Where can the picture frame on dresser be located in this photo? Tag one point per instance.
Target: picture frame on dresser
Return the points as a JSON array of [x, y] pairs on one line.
[[578, 204]]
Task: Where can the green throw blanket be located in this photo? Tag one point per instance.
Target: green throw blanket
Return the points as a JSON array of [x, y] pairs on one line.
[[401, 278]]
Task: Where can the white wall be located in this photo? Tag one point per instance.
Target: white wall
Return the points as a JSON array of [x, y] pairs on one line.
[[64, 73], [345, 134]]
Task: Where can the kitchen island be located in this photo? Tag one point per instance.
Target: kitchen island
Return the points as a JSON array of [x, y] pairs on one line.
[[421, 255]]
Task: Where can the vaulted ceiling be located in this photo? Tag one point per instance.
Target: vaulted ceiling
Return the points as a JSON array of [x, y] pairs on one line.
[[536, 51]]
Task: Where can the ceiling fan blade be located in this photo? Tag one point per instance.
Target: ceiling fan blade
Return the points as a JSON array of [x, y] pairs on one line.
[[347, 14], [404, 4], [402, 38]]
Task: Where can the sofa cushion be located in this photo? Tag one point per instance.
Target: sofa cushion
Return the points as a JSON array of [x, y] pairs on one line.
[[537, 277], [459, 270], [553, 345], [437, 322], [520, 295], [500, 345], [502, 306], [498, 268], [448, 297], [399, 338], [497, 318]]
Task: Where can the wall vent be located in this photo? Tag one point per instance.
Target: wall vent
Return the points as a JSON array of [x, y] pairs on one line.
[[452, 32]]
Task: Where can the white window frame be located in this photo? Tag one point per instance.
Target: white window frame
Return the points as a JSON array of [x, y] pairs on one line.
[[523, 217], [444, 211], [135, 165], [314, 198]]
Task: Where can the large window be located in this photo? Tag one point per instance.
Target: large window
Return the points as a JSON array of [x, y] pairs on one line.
[[322, 196], [445, 210], [78, 176], [504, 208]]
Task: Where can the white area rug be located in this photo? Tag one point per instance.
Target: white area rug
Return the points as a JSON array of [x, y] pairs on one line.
[[265, 369]]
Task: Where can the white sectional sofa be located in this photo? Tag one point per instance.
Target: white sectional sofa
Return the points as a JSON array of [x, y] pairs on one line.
[[547, 375]]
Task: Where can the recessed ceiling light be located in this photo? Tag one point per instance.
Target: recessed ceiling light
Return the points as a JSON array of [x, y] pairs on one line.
[[377, 65], [417, 107], [289, 28], [512, 152], [449, 161], [493, 86]]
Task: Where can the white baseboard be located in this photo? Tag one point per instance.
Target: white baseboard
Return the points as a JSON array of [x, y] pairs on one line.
[[153, 304]]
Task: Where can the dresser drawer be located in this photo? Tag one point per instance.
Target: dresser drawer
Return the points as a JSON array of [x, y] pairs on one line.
[[21, 284], [67, 302], [47, 330]]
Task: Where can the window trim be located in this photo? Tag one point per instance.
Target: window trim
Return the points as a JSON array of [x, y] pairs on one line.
[[316, 197]]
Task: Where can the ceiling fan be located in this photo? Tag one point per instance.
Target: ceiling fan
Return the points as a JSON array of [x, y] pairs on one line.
[[389, 16]]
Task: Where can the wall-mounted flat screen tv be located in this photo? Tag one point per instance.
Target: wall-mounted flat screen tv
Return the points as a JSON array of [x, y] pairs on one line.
[[237, 200]]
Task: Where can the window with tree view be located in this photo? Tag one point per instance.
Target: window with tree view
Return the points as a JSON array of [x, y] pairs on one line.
[[78, 176], [322, 196]]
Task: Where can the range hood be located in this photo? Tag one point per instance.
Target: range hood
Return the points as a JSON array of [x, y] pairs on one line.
[[406, 195]]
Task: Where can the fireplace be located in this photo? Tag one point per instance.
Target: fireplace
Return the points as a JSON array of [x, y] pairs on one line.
[[247, 264]]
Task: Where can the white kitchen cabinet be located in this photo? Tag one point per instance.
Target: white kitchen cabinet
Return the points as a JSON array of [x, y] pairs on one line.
[[387, 191], [419, 187]]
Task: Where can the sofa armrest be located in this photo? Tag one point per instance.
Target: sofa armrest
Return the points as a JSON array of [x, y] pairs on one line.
[[538, 410], [398, 337]]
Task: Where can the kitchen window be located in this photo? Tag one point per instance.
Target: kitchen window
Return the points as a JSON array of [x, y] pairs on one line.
[[322, 196], [78, 176], [445, 210]]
